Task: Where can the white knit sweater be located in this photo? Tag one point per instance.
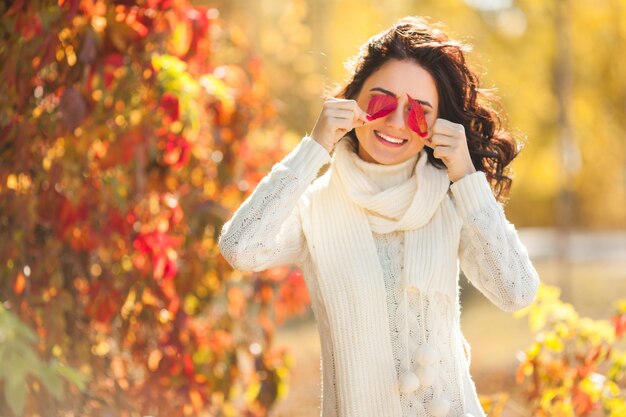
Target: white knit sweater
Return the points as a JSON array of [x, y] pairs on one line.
[[267, 231]]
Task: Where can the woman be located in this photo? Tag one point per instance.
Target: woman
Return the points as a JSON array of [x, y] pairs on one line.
[[380, 235]]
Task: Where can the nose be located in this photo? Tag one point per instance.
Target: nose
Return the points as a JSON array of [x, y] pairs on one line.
[[396, 119]]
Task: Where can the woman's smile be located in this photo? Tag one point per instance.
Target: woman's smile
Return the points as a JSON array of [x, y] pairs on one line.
[[390, 140]]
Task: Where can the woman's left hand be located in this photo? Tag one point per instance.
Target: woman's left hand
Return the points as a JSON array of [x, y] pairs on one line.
[[449, 144]]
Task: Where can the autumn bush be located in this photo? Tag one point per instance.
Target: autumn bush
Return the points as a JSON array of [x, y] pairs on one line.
[[576, 366], [129, 132]]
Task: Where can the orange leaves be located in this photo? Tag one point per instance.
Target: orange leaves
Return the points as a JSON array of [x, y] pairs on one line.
[[176, 150], [190, 30], [103, 304], [293, 298], [122, 151], [236, 302], [19, 284], [619, 322], [570, 368], [128, 27], [221, 340]]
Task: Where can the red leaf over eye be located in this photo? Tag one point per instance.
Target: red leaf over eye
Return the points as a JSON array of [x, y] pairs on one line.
[[380, 106], [417, 121]]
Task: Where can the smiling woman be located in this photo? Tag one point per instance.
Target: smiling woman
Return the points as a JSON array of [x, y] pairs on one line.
[[381, 234]]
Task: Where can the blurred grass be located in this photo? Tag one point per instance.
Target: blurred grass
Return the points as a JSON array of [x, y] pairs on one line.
[[494, 335]]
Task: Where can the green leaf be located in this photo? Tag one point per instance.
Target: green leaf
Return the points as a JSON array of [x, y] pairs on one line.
[[51, 381], [73, 376], [15, 392]]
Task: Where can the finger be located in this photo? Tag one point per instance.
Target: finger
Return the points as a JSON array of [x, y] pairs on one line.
[[443, 140], [358, 114], [341, 113], [342, 123], [442, 152], [448, 128]]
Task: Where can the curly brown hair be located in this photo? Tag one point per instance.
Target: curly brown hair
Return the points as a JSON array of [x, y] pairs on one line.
[[491, 147]]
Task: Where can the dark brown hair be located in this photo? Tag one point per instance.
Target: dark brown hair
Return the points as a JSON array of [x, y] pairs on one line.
[[461, 100]]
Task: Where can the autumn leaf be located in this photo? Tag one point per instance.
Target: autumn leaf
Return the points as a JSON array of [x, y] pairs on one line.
[[417, 120], [381, 105]]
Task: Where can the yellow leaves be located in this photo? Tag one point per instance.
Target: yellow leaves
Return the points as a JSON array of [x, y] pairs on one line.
[[592, 386], [553, 342], [19, 182], [129, 304], [181, 38], [252, 392], [282, 372], [617, 407], [217, 88], [102, 348], [211, 281], [190, 304], [99, 24], [548, 310], [596, 331], [493, 405], [573, 366]]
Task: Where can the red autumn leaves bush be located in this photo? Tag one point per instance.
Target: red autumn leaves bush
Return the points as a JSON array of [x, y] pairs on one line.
[[122, 155]]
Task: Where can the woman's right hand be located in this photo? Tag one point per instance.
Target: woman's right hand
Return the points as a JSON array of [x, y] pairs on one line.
[[338, 117]]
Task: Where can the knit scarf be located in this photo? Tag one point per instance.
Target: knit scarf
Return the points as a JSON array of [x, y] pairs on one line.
[[344, 213]]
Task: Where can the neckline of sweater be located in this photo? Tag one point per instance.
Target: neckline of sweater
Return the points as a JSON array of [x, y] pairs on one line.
[[387, 176]]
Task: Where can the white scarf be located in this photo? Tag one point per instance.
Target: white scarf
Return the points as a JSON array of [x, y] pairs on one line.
[[344, 212]]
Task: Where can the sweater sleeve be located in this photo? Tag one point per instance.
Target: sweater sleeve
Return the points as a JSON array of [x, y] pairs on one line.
[[266, 231], [490, 252]]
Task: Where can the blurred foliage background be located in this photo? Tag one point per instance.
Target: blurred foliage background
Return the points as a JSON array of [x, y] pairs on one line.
[[131, 130]]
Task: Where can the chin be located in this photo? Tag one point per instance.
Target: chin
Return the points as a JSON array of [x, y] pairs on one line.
[[378, 153]]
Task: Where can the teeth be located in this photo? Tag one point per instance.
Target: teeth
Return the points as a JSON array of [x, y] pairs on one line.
[[389, 138]]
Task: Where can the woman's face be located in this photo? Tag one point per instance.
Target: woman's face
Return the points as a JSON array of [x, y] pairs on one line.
[[398, 79]]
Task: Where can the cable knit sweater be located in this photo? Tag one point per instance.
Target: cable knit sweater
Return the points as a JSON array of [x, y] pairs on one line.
[[424, 326]]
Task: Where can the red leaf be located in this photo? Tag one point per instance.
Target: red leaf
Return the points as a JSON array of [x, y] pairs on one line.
[[620, 325], [380, 106], [169, 104], [188, 367], [115, 60], [199, 21], [103, 304], [160, 4], [27, 25], [177, 151], [417, 121], [161, 247]]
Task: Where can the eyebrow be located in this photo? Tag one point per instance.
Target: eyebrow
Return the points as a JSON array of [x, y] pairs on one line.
[[389, 93]]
